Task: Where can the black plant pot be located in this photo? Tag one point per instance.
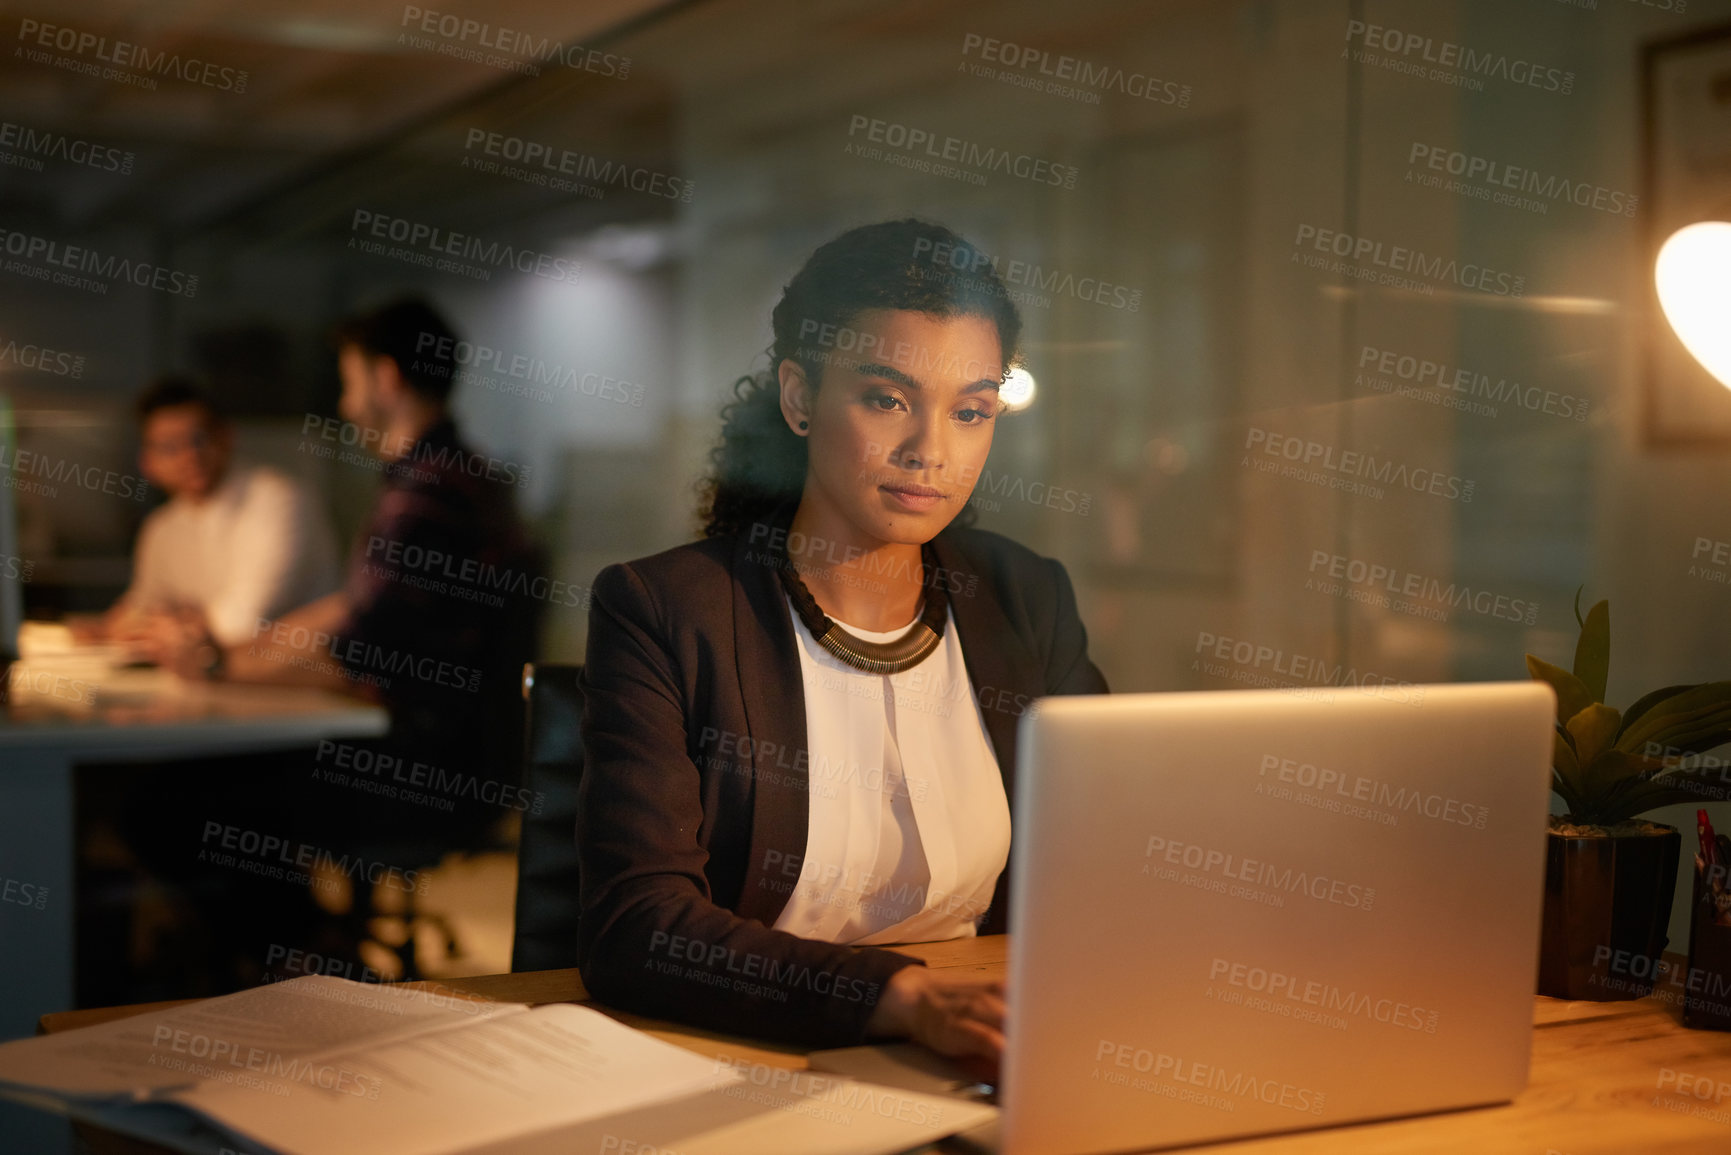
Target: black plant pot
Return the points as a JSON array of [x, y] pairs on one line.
[[1607, 906]]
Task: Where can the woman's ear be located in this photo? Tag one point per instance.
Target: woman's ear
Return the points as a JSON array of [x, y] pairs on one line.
[[796, 396]]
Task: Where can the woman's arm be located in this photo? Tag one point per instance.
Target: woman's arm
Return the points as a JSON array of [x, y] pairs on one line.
[[651, 938]]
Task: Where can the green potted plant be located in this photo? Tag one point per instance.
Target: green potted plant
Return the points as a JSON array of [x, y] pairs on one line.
[[1609, 875]]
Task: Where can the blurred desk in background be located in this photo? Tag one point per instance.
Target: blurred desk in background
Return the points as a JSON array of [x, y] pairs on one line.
[[76, 706]]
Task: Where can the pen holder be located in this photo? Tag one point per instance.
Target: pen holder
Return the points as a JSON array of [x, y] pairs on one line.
[[1707, 982]]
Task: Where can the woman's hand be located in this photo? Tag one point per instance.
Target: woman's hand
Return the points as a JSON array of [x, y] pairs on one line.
[[954, 1015]]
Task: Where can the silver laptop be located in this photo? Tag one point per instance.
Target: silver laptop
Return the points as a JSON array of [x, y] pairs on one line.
[[1247, 912], [1253, 911]]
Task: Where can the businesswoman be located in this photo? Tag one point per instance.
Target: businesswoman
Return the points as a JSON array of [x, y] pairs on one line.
[[800, 730]]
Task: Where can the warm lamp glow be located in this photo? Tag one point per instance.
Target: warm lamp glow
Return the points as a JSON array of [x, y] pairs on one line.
[[1017, 391], [1693, 274]]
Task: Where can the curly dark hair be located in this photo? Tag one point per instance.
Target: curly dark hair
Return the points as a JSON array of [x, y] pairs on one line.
[[760, 464]]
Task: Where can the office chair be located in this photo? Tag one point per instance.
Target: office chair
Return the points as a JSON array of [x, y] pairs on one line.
[[545, 934], [498, 729]]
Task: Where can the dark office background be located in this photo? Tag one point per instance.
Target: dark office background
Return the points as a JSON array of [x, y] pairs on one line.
[[740, 123]]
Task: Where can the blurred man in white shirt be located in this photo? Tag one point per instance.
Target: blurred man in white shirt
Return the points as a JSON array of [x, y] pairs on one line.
[[235, 543]]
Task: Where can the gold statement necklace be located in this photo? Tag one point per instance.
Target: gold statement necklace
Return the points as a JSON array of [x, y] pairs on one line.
[[904, 653]]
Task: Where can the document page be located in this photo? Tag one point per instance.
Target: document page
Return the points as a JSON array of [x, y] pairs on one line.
[[454, 1090], [271, 1033], [774, 1111]]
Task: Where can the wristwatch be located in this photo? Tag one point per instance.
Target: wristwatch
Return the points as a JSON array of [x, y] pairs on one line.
[[210, 660]]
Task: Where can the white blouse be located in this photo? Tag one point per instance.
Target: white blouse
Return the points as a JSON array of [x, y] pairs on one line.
[[908, 826]]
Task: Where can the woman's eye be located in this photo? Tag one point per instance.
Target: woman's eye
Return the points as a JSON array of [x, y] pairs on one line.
[[884, 401], [974, 416]]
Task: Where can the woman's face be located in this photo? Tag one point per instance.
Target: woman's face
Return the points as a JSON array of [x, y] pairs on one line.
[[901, 421]]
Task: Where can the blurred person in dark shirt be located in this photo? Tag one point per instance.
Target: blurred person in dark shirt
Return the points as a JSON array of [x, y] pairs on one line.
[[434, 621], [438, 610]]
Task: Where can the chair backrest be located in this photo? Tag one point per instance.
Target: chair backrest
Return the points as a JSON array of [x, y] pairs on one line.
[[545, 936]]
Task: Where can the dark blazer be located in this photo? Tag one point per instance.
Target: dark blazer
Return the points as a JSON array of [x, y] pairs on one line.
[[691, 813]]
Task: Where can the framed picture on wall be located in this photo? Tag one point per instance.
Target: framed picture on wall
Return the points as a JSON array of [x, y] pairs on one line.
[[1686, 177]]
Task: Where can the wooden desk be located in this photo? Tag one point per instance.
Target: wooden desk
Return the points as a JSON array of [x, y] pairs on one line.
[[1594, 1085], [61, 713]]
